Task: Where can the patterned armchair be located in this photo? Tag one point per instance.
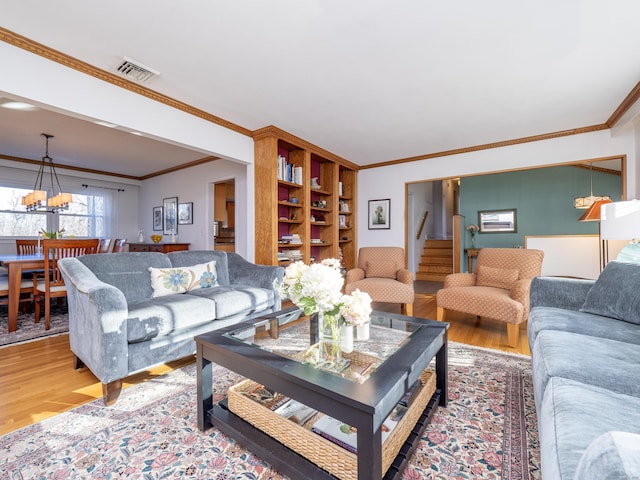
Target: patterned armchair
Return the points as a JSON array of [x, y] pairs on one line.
[[498, 289], [382, 274]]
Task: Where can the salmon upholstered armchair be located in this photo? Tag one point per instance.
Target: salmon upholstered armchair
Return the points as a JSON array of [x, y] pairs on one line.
[[381, 273], [498, 289]]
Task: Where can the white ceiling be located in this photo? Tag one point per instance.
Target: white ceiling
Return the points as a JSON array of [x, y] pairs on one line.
[[369, 80]]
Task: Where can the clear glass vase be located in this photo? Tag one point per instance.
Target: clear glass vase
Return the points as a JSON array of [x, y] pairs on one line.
[[329, 342]]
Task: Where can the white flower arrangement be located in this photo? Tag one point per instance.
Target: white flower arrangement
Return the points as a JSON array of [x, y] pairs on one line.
[[356, 308], [317, 288]]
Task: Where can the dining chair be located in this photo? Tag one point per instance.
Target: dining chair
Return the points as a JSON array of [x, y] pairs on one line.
[[26, 247], [103, 246], [52, 285], [26, 290], [119, 245]]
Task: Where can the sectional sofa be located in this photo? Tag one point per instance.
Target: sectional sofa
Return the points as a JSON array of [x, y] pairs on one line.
[[130, 311], [585, 347]]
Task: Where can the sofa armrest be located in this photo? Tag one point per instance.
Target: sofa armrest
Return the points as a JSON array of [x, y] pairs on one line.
[[611, 455], [243, 272], [97, 321], [405, 276], [354, 275], [460, 280], [566, 293]]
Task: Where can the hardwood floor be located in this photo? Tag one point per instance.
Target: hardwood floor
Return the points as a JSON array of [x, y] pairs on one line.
[[37, 379]]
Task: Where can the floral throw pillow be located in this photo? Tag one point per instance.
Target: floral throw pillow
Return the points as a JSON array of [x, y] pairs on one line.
[[167, 281]]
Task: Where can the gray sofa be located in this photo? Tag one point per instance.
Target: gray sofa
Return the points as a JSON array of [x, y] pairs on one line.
[[119, 325], [585, 348]]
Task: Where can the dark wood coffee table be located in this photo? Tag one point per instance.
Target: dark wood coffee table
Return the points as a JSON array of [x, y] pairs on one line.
[[365, 404]]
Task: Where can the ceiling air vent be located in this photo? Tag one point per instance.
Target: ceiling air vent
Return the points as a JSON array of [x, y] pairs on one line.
[[134, 70]]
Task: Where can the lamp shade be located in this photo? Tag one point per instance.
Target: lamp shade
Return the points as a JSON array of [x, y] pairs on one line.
[[620, 221], [593, 214]]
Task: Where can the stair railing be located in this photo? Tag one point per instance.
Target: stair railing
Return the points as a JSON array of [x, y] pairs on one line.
[[422, 222]]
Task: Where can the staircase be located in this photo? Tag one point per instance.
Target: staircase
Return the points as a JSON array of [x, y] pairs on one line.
[[436, 261]]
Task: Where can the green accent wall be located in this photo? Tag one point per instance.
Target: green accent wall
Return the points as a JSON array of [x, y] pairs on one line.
[[543, 199]]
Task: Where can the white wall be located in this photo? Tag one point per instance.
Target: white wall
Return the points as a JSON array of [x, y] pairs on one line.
[[195, 185], [389, 182]]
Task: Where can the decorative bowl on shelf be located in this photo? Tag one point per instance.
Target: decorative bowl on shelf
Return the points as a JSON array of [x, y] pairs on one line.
[[156, 238]]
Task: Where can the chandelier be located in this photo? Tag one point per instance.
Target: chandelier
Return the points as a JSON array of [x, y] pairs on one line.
[[583, 203], [37, 199]]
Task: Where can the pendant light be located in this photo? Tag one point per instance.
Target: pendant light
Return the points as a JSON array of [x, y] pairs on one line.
[[36, 201], [585, 202]]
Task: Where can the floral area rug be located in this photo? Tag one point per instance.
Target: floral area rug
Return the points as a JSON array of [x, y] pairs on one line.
[[28, 330], [488, 430]]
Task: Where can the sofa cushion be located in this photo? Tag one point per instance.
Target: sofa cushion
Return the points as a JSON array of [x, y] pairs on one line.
[[490, 302], [236, 299], [615, 293], [595, 361], [128, 272], [185, 258], [167, 281], [552, 318], [611, 455], [166, 315], [381, 269], [572, 415], [496, 277], [383, 289]]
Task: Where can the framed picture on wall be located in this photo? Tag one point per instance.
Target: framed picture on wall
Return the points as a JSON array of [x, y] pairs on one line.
[[185, 213], [379, 216], [497, 221], [157, 219], [170, 210]]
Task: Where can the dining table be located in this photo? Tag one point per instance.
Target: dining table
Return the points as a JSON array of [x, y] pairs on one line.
[[16, 264]]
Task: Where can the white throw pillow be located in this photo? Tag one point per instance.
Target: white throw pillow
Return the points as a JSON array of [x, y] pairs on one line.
[[167, 281]]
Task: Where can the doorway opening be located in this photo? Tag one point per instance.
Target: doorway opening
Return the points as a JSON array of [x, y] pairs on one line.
[[224, 216]]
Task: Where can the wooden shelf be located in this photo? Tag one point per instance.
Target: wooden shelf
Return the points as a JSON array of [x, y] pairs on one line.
[[290, 184], [320, 191], [279, 154], [289, 204]]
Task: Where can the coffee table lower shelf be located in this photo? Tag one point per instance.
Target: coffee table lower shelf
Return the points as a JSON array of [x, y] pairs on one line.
[[296, 466]]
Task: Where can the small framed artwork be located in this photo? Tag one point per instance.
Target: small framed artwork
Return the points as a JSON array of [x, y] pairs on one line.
[[157, 218], [185, 213], [170, 213], [498, 221], [379, 216]]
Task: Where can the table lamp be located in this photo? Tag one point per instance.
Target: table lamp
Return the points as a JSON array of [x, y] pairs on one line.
[[621, 221]]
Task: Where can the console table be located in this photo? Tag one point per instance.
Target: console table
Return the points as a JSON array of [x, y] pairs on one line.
[[471, 253], [158, 247]]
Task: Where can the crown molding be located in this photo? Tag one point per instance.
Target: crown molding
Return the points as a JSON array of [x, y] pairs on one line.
[[68, 61], [273, 131], [179, 167], [487, 146], [61, 166], [626, 104], [269, 131]]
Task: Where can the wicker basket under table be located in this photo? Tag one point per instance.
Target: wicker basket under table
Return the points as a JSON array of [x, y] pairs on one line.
[[327, 455]]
